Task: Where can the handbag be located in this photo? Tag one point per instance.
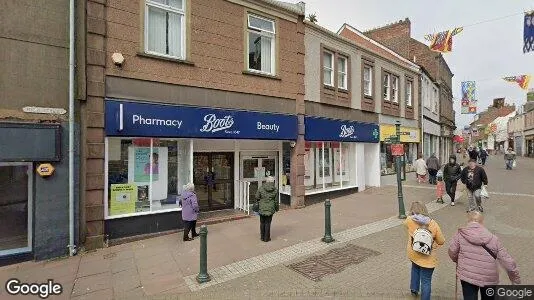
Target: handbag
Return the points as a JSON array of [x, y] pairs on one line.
[[514, 164], [484, 192]]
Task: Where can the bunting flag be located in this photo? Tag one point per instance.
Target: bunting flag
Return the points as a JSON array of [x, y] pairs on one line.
[[528, 32], [442, 41], [469, 102], [521, 80]]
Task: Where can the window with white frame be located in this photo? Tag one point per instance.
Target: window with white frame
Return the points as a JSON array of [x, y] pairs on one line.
[[342, 72], [164, 28], [395, 89], [409, 91], [368, 81], [328, 68], [387, 87], [261, 44]]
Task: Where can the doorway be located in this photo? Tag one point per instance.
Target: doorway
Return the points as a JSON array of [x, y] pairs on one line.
[[214, 179], [255, 168], [15, 208]]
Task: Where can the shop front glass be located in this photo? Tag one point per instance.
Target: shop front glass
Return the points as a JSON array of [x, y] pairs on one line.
[[387, 160], [146, 175]]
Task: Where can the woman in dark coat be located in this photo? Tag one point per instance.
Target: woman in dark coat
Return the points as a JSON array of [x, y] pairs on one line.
[[266, 205]]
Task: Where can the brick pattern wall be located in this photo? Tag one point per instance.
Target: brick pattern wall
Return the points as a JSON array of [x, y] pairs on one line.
[[529, 120], [395, 36]]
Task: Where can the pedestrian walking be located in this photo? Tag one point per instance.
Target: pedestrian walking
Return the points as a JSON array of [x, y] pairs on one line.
[[266, 205], [509, 158], [474, 177], [190, 211], [451, 173], [424, 237], [473, 153], [433, 166], [478, 253], [420, 169], [440, 188], [483, 156]]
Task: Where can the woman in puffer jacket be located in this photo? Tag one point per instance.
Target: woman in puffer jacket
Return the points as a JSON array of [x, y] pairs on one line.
[[478, 253]]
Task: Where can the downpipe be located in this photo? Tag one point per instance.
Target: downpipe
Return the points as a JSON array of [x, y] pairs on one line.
[[71, 246]]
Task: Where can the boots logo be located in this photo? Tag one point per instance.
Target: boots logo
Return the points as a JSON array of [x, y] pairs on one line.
[[213, 124], [346, 131]]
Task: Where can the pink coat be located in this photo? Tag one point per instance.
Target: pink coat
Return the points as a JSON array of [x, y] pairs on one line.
[[475, 264]]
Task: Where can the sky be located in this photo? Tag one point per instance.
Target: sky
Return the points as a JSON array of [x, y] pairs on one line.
[[483, 53]]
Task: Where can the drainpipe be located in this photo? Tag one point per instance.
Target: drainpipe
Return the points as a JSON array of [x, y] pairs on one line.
[[421, 107], [71, 246]]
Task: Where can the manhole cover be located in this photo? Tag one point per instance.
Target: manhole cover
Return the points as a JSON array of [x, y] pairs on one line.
[[332, 262]]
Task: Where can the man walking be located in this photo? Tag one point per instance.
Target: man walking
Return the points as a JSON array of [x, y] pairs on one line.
[[432, 163], [509, 157], [483, 156], [474, 177], [473, 153], [451, 174]]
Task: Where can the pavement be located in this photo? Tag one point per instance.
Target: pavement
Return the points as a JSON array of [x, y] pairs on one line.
[[243, 267]]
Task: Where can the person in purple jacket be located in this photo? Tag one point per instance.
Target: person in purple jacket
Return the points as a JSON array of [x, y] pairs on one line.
[[190, 210], [478, 253]]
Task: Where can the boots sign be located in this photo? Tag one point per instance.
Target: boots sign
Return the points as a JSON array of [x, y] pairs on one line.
[[152, 120], [325, 129]]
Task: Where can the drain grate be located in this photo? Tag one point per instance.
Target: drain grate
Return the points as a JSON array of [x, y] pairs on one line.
[[332, 262]]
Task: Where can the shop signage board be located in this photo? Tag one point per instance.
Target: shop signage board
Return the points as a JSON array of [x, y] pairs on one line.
[[45, 170], [397, 149], [325, 129], [123, 198], [153, 120]]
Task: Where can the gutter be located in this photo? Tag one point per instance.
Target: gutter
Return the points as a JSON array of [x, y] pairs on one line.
[[71, 246]]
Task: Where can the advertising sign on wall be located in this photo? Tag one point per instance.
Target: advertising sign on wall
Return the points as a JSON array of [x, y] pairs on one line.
[[142, 164], [123, 198]]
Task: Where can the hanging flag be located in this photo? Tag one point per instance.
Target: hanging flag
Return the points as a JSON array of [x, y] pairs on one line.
[[469, 102], [528, 32], [442, 41], [521, 80]]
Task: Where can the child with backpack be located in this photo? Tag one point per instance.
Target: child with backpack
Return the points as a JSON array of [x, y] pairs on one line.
[[424, 237]]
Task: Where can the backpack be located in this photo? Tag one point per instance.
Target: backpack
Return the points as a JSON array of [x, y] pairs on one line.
[[422, 240]]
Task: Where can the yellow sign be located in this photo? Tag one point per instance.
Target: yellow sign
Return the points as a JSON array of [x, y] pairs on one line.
[[45, 170], [408, 134], [122, 200]]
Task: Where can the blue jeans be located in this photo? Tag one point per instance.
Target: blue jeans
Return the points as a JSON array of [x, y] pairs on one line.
[[509, 164], [421, 277]]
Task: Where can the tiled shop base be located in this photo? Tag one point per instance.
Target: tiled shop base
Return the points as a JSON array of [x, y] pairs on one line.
[[285, 255]]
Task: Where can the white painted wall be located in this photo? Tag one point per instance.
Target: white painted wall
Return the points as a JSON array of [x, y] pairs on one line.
[[372, 164]]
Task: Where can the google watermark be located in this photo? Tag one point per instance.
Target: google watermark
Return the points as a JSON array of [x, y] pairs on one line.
[[512, 292], [15, 287]]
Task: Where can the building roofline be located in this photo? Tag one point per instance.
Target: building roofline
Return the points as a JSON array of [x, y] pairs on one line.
[[406, 20], [360, 34], [296, 8]]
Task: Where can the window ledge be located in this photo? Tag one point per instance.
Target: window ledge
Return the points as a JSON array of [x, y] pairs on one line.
[[275, 77], [329, 87], [176, 60], [342, 90], [368, 97]]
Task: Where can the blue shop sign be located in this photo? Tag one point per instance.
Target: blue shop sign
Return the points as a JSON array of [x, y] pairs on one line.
[[324, 129], [153, 120]]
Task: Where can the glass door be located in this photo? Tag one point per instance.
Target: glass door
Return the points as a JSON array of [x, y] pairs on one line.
[[214, 180], [15, 208], [255, 169]]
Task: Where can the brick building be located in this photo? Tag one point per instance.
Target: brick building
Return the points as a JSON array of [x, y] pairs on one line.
[[488, 125], [209, 92], [34, 130], [397, 36]]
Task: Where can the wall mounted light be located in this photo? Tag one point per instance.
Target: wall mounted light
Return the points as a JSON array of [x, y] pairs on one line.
[[118, 59]]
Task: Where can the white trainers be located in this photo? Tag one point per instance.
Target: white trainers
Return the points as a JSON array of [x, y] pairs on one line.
[[452, 203]]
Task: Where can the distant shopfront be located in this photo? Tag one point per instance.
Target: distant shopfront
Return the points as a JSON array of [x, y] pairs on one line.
[[339, 155], [409, 138], [152, 150], [529, 143]]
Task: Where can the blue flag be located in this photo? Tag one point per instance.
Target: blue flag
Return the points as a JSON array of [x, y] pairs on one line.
[[528, 33]]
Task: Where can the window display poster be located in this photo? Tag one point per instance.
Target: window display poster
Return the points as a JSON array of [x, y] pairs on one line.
[[142, 164], [341, 161], [123, 198]]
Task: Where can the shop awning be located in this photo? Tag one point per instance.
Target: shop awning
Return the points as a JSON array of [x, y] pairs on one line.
[[458, 139]]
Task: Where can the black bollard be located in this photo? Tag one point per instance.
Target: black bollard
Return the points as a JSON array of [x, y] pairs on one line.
[[327, 223], [203, 275]]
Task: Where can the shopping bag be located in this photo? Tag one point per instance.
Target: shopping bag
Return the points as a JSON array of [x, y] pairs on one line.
[[514, 164], [484, 192]]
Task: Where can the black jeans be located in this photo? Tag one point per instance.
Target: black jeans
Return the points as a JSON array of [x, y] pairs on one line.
[[265, 227], [190, 226], [483, 160], [450, 188], [470, 292], [432, 176]]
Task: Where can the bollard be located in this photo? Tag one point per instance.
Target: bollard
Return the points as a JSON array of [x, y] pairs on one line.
[[327, 223], [203, 275]]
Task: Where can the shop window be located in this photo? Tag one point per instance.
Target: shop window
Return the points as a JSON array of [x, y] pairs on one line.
[[146, 175], [261, 44], [164, 28], [387, 160]]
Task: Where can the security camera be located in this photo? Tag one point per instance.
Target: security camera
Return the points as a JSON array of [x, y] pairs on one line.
[[292, 144], [118, 59]]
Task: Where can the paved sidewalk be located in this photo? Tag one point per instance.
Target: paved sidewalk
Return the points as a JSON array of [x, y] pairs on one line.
[[158, 266]]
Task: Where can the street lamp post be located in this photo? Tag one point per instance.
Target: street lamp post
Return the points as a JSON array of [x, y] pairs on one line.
[[402, 213]]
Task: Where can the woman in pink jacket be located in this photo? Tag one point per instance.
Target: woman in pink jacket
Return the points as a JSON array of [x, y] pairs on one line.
[[478, 253]]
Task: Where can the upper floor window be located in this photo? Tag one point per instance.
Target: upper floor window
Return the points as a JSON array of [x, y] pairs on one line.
[[342, 72], [261, 44], [387, 87], [368, 81], [328, 68], [395, 89], [435, 100], [164, 28], [409, 93]]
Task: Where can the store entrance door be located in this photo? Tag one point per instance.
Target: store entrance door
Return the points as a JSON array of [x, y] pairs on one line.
[[214, 179], [15, 208], [255, 168]]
